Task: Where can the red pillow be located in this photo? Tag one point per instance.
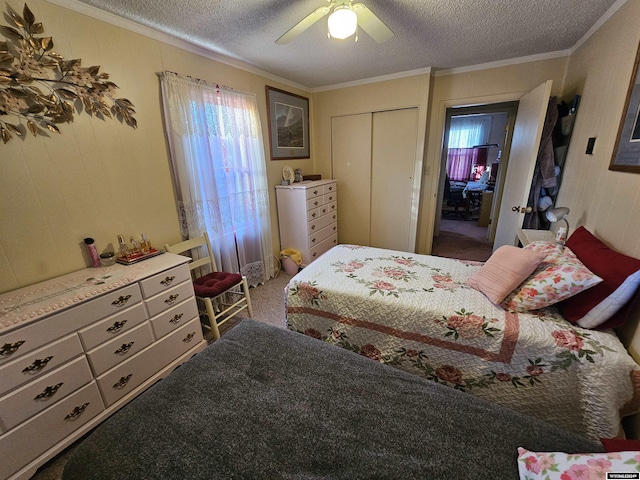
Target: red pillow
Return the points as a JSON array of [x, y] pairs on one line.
[[613, 267], [620, 445]]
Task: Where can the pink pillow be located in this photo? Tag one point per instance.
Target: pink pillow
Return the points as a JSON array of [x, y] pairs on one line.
[[507, 268], [612, 296], [561, 275]]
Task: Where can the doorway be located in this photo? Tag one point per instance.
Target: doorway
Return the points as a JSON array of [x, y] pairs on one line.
[[475, 153]]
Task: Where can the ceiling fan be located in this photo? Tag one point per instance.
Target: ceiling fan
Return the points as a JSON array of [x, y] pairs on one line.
[[344, 18]]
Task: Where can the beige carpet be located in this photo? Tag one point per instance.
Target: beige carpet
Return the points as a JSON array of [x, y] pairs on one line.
[[268, 306], [462, 239]]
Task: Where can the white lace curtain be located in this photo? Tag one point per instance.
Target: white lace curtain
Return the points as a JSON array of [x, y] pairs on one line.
[[217, 154], [469, 130]]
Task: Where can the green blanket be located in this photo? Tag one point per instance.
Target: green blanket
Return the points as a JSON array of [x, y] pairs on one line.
[[268, 403]]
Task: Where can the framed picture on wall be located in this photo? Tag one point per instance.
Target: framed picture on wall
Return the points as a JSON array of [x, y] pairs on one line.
[[288, 116], [626, 154]]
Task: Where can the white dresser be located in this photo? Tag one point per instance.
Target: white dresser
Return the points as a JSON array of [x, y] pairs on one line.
[[76, 348], [307, 217]]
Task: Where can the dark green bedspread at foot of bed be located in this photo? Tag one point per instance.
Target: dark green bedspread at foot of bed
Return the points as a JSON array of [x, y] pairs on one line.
[[268, 403]]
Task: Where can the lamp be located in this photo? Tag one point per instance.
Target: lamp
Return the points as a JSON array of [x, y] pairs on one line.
[[555, 215], [342, 22]]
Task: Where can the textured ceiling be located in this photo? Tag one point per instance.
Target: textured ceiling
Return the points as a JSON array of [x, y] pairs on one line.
[[440, 34]]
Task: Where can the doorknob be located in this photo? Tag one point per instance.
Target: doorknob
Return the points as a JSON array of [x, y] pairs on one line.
[[522, 209]]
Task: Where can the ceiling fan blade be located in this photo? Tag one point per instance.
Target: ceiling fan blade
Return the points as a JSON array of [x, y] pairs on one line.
[[372, 24], [301, 26]]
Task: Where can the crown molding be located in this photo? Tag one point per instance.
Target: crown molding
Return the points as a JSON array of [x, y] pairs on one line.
[[503, 63], [381, 78], [172, 40]]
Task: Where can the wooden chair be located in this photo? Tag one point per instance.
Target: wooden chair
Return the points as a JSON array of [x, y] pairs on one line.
[[220, 295]]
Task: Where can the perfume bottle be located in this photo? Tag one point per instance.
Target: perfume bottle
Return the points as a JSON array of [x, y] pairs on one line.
[[123, 250], [134, 246], [145, 245]]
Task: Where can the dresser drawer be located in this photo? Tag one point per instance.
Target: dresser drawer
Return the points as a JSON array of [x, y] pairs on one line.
[[121, 380], [165, 280], [37, 363], [113, 326], [315, 202], [40, 394], [330, 197], [174, 317], [169, 298], [323, 246], [33, 336], [320, 223], [26, 442], [316, 237], [125, 346], [315, 191]]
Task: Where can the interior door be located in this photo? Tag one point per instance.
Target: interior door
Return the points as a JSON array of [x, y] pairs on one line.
[[527, 133], [393, 160], [351, 163]]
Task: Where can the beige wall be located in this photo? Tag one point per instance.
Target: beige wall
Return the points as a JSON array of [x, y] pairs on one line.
[[101, 178], [605, 202]]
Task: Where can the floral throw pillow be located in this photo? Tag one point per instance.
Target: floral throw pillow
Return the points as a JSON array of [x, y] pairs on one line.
[[566, 466], [560, 276]]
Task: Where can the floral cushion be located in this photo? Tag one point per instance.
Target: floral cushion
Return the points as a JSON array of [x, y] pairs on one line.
[[559, 276], [567, 466]]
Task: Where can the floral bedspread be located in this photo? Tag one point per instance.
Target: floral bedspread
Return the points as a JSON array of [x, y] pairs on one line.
[[417, 313]]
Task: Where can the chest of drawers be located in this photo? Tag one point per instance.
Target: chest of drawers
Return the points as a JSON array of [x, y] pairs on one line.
[[307, 217], [76, 348]]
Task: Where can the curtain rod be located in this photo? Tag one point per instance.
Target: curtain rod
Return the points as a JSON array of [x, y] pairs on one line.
[[216, 85], [195, 79]]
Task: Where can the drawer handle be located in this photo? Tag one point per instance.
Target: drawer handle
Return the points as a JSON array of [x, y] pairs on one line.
[[189, 337], [77, 412], [333, 207], [324, 210], [48, 392], [334, 217], [315, 192], [124, 348], [313, 240], [314, 254], [168, 281], [122, 300], [330, 198], [37, 365], [330, 188], [120, 384], [116, 327], [334, 228], [313, 215], [315, 203], [313, 227], [172, 299], [335, 241], [10, 348], [176, 319]]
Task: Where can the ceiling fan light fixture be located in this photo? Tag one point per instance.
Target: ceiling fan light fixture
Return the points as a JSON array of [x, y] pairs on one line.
[[342, 22]]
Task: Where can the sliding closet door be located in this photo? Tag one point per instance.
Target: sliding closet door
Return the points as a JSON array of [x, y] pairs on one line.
[[351, 163], [393, 161]]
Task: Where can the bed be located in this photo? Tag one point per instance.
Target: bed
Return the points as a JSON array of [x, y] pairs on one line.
[[265, 402], [419, 314]]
